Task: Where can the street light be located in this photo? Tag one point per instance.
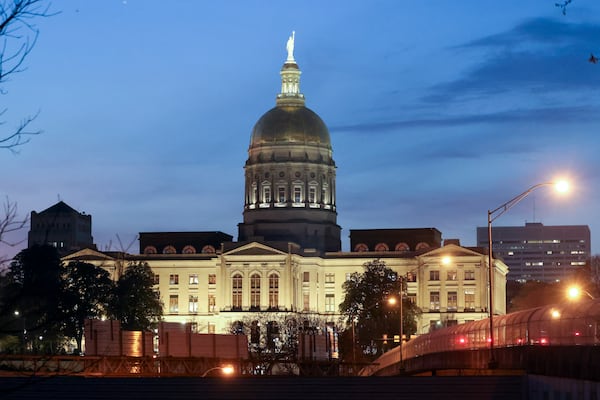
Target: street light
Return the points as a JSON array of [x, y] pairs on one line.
[[560, 186], [226, 369], [575, 292]]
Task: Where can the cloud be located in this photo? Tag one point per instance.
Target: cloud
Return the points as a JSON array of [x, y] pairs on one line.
[[539, 55]]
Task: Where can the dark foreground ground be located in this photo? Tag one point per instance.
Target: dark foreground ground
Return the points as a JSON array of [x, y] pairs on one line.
[[267, 388]]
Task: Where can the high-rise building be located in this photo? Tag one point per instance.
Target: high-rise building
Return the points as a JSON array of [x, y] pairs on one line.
[[536, 252], [62, 227]]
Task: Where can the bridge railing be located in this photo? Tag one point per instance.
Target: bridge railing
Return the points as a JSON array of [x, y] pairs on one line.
[[567, 324]]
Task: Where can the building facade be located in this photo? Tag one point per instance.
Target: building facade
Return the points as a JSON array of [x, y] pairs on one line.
[[62, 227], [538, 252], [288, 259]]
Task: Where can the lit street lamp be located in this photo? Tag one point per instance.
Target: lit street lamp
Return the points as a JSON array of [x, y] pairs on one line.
[[226, 370], [560, 186], [575, 292]]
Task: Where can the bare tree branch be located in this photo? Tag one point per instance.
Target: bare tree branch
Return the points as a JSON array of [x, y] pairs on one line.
[[10, 222], [19, 35]]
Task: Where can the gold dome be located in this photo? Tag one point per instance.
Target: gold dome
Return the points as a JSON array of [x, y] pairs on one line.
[[290, 125]]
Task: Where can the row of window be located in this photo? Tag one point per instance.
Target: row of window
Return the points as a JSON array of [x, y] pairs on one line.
[[434, 275], [192, 279], [330, 304], [362, 247], [189, 249], [452, 300], [192, 304], [296, 195]]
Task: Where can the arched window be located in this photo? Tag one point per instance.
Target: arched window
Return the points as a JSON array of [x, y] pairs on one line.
[[150, 250], [402, 247], [273, 291], [236, 292], [361, 247], [189, 249], [421, 246], [255, 292], [381, 247], [208, 249], [169, 250]]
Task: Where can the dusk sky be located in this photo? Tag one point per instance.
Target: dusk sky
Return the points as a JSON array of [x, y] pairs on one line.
[[437, 110]]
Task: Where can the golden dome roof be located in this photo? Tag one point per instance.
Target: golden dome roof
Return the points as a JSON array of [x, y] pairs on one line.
[[290, 124]]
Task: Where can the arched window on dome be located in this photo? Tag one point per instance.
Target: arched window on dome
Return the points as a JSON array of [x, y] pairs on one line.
[[312, 193], [402, 247], [150, 250], [208, 249], [189, 249], [253, 195], [361, 247], [422, 246], [236, 292], [325, 196], [382, 247], [266, 194], [169, 250], [298, 193]]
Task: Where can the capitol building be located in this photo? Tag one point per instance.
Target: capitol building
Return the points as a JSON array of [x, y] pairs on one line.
[[287, 259]]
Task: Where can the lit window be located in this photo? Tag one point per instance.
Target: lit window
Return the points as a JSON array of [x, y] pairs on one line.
[[173, 303], [255, 291], [469, 275], [173, 279], [236, 292], [297, 194], [329, 278], [361, 247], [266, 194], [156, 280], [212, 279], [469, 300], [434, 275], [381, 247], [312, 194], [169, 250], [281, 194], [451, 275], [212, 303], [193, 304], [273, 291], [402, 247], [434, 301], [329, 302], [452, 301], [193, 279], [189, 249], [208, 249]]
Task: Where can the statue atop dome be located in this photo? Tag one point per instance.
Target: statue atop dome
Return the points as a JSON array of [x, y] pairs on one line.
[[290, 47]]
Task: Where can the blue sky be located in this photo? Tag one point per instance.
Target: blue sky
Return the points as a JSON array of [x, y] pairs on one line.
[[437, 110]]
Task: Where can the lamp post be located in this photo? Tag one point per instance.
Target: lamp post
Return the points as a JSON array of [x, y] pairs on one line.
[[561, 186]]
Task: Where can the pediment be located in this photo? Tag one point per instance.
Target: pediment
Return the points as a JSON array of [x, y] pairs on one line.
[[88, 255], [253, 249], [451, 250]]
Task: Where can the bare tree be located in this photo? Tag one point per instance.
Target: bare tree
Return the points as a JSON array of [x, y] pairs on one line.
[[18, 35], [9, 222]]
